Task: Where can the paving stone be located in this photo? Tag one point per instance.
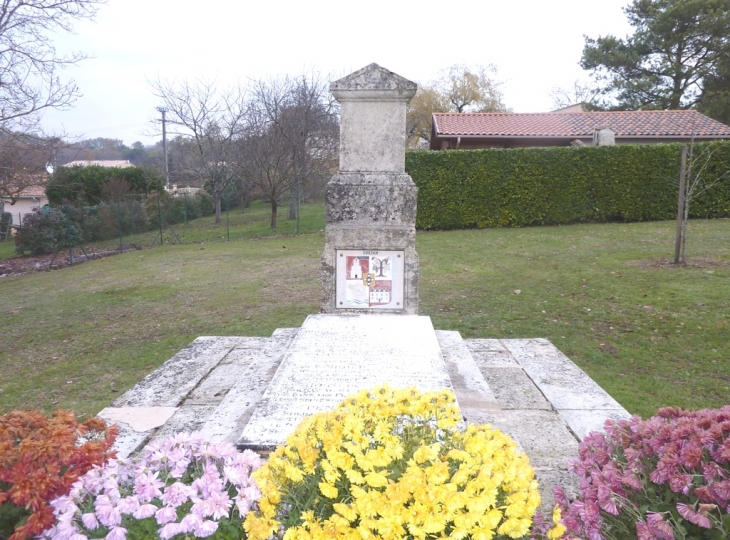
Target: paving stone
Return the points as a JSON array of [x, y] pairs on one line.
[[169, 384], [188, 418], [563, 383], [542, 435], [219, 381], [472, 392], [140, 419], [582, 422], [349, 353], [514, 389], [485, 345], [490, 358], [548, 478], [129, 442], [229, 419]]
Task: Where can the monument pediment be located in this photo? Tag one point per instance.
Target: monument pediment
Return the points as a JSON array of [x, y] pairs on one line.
[[373, 78]]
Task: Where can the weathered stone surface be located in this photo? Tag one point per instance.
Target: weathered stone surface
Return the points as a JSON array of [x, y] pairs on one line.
[[129, 442], [334, 356], [140, 419], [228, 420], [169, 384], [493, 358], [560, 380], [474, 395], [373, 119], [582, 422], [485, 345], [542, 435], [547, 478], [371, 202], [513, 388], [187, 419]]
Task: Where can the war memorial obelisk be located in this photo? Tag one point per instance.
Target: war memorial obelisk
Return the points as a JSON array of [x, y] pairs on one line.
[[370, 264], [368, 333]]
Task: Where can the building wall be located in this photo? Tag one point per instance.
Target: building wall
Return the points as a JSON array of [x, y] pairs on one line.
[[22, 206]]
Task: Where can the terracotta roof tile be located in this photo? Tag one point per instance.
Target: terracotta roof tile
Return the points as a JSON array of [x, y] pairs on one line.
[[581, 124], [33, 191]]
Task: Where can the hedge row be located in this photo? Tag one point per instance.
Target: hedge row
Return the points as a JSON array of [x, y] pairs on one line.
[[558, 185]]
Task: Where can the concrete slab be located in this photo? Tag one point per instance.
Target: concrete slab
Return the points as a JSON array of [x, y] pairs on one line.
[[228, 420], [474, 395], [140, 419], [169, 384], [582, 422], [513, 388], [485, 345], [548, 478], [542, 435], [349, 353], [188, 418], [563, 383], [129, 441], [493, 358]]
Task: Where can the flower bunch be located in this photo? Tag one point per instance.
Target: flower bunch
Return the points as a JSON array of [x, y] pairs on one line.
[[393, 464], [663, 478], [40, 458], [181, 486]]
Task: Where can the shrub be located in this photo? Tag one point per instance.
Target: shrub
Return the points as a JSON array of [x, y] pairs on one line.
[[40, 458], [90, 185], [546, 186], [181, 486], [663, 478], [392, 464], [43, 231]]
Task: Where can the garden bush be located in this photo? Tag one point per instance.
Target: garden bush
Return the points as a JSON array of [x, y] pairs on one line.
[[665, 478], [43, 231], [558, 185], [393, 464], [40, 459], [88, 186], [181, 487]]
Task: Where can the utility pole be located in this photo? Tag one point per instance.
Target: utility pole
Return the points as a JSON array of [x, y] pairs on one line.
[[163, 110]]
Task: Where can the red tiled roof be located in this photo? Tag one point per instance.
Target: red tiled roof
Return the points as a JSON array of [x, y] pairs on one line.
[[639, 124], [33, 191]]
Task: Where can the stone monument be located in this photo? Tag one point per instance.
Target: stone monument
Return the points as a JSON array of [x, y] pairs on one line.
[[370, 264]]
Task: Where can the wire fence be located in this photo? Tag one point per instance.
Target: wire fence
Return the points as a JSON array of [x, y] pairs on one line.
[[70, 233]]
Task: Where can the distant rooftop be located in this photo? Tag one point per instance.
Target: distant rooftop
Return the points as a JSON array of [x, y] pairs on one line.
[[625, 124], [118, 163]]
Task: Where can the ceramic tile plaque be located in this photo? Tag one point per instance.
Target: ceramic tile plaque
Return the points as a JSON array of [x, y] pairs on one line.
[[369, 279]]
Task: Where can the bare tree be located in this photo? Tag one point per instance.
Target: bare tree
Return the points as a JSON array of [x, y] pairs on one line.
[[459, 88], [30, 83], [695, 177], [291, 136], [29, 62], [579, 93], [212, 120]]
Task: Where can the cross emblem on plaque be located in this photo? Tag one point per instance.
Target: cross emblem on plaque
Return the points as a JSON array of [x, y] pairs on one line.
[[368, 280]]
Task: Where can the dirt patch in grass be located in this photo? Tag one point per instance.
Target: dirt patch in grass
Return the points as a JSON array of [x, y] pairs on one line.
[[22, 264], [669, 263]]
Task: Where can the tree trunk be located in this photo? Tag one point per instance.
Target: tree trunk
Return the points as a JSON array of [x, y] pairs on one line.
[[292, 208], [273, 213], [217, 207]]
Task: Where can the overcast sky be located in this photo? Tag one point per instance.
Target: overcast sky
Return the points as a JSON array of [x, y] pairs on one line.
[[535, 45]]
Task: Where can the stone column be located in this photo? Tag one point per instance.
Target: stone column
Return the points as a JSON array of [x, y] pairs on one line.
[[370, 264]]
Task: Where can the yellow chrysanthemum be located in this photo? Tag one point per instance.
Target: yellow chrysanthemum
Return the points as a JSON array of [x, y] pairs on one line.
[[328, 490]]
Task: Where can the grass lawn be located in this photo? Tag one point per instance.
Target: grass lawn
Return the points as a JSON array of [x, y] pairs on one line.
[[651, 336], [7, 248]]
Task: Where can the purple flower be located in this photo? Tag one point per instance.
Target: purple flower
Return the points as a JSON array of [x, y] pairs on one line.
[[165, 515], [169, 530], [177, 494], [206, 528], [147, 486], [108, 514], [145, 511], [190, 523], [128, 505], [117, 533], [89, 520]]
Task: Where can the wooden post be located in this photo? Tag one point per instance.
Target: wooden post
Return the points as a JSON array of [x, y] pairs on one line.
[[680, 205]]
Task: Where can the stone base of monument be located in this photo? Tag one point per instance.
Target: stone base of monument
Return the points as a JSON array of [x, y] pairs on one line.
[[253, 391]]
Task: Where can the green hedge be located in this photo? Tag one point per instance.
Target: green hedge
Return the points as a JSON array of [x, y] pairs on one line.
[[557, 185], [87, 185]]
